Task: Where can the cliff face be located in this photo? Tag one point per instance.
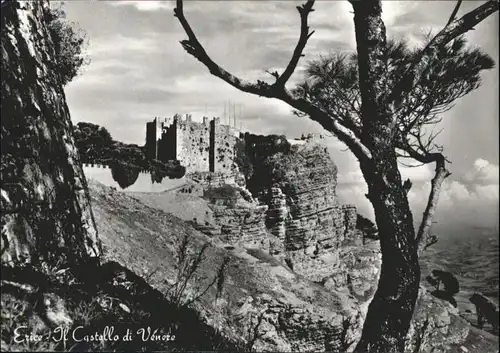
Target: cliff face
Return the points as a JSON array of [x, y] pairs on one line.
[[44, 198], [298, 184], [262, 303]]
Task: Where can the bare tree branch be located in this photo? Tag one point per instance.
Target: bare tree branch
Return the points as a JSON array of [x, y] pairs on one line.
[[263, 89], [454, 13], [424, 239], [304, 11], [193, 47], [451, 31]]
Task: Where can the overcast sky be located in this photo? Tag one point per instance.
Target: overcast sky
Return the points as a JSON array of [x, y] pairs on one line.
[[139, 70]]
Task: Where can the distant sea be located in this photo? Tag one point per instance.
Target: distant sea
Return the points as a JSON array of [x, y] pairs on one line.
[[472, 255]]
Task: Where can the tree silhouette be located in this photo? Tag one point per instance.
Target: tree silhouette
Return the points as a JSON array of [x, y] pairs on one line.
[[69, 42], [378, 103]]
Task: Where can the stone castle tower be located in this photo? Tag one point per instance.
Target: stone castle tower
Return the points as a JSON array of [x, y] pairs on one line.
[[200, 147]]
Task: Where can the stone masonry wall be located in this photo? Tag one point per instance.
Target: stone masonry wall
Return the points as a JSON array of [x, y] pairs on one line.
[[200, 147], [193, 144], [224, 141]]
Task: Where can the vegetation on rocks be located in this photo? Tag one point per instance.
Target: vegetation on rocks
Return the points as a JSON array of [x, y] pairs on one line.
[[70, 42], [368, 227], [226, 194], [97, 298], [253, 154]]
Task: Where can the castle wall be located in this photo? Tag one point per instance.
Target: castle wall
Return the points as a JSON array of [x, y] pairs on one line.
[[193, 142], [167, 145], [200, 147], [102, 174], [151, 138], [224, 138]]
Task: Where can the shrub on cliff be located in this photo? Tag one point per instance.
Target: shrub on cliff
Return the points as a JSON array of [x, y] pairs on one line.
[[170, 169], [261, 151], [92, 141], [69, 44], [368, 227], [124, 174], [226, 194]]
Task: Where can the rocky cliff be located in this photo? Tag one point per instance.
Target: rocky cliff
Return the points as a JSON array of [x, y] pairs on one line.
[[46, 212], [264, 305], [298, 184]]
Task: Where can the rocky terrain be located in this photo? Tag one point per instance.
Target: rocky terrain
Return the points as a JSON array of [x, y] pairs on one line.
[[296, 314], [304, 213], [349, 267], [273, 263], [472, 259], [264, 303]]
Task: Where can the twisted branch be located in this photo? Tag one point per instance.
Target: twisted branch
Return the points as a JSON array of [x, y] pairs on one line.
[[276, 90]]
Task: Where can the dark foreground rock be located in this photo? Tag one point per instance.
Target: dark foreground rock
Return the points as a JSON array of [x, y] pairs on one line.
[[46, 214]]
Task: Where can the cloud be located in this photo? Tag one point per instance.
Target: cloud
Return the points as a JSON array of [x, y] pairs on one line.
[[139, 70], [145, 5], [473, 202], [483, 172]]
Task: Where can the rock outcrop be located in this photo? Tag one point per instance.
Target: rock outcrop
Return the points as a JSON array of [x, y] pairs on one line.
[[486, 309], [243, 225], [435, 326], [263, 303], [298, 184], [44, 198]]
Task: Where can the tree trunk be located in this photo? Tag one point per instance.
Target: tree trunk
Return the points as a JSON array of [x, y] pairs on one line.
[[46, 213], [390, 312]]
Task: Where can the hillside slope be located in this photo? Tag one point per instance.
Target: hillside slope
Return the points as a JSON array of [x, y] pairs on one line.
[[263, 304], [262, 301]]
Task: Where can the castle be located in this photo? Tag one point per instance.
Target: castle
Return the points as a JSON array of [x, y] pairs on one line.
[[200, 147]]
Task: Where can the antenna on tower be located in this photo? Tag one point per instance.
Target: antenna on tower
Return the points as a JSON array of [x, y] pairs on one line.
[[234, 114], [224, 117]]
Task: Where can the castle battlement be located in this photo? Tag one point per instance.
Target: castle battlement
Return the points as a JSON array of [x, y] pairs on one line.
[[206, 146], [95, 165], [104, 167]]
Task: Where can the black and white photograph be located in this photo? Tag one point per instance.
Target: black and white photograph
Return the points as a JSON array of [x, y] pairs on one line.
[[250, 176]]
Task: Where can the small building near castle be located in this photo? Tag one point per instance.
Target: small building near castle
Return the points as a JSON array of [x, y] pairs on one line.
[[206, 146]]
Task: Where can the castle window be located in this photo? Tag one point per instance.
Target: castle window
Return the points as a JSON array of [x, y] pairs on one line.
[[201, 140]]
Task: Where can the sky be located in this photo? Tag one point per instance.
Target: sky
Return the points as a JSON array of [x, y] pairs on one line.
[[138, 70]]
